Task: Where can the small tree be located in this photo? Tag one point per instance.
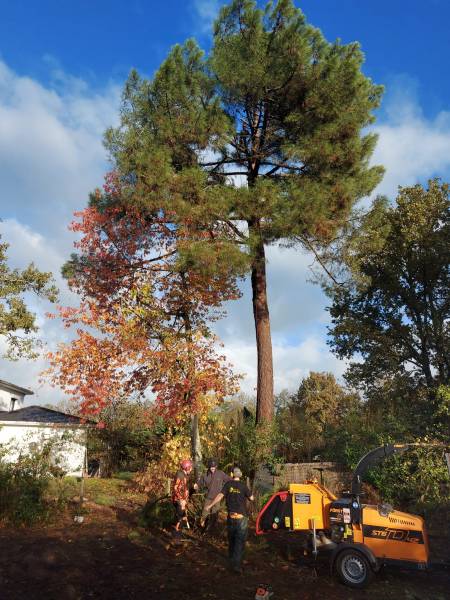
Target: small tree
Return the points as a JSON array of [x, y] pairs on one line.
[[142, 321], [127, 437]]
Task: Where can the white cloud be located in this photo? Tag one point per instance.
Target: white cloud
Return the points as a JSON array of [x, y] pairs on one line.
[[207, 12], [28, 246], [411, 146], [291, 362], [51, 152], [51, 157]]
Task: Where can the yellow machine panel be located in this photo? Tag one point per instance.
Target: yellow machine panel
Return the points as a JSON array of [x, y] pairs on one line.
[[310, 502], [397, 535]]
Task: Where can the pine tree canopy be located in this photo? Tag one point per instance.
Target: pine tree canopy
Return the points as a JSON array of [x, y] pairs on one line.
[[265, 130]]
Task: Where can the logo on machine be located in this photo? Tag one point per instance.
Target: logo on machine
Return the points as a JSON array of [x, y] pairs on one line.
[[336, 515], [396, 535]]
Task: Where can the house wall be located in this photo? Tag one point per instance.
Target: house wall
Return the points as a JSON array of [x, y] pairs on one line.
[[5, 399], [69, 444]]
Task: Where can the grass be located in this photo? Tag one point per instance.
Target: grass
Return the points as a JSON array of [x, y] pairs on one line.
[[124, 475], [105, 492]]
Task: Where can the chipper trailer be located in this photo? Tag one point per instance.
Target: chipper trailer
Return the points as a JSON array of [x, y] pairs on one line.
[[358, 538]]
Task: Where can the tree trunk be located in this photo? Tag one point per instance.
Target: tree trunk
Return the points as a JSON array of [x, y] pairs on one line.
[[264, 393], [196, 447]]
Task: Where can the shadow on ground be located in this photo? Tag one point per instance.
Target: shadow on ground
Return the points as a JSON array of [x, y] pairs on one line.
[[109, 557]]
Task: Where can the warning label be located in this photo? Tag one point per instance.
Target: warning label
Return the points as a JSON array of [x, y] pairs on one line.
[[302, 498]]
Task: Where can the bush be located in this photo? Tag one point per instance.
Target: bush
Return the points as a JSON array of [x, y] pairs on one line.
[[127, 440], [158, 513], [252, 445], [24, 488], [417, 480]]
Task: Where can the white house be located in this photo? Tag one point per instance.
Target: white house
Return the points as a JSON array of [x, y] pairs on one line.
[[25, 429], [12, 396]]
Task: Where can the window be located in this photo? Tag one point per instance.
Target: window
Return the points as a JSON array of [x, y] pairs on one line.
[[12, 404]]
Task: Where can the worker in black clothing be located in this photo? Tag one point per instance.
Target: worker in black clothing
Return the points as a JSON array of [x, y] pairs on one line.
[[235, 493]]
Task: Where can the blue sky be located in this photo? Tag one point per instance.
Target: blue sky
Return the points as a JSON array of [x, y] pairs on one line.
[[101, 40], [62, 66]]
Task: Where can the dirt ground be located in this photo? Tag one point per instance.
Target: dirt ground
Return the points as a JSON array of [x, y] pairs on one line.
[[108, 556]]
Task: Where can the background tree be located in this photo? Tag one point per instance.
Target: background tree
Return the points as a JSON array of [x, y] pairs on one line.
[[319, 405], [393, 316], [17, 323], [259, 142]]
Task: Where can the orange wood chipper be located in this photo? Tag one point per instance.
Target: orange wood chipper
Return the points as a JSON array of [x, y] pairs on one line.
[[359, 538]]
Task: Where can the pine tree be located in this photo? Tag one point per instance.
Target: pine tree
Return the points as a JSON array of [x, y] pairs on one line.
[[258, 142]]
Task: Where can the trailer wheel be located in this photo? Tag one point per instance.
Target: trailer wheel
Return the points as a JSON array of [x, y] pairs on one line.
[[353, 568]]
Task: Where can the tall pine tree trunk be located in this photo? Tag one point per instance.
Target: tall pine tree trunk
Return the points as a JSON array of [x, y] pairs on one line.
[[264, 394]]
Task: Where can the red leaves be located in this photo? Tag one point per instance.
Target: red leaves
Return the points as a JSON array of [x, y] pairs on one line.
[[142, 322]]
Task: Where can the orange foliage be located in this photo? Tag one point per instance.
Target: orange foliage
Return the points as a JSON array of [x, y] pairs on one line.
[[142, 322]]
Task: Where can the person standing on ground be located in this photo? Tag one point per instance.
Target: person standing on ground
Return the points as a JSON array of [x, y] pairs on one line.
[[213, 480], [180, 492], [235, 493]]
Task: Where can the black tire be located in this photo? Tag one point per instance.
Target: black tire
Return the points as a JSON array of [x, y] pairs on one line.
[[353, 569]]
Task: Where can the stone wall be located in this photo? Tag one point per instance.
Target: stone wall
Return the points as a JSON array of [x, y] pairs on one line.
[[334, 476]]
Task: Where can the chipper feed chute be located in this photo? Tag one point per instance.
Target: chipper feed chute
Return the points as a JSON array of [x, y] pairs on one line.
[[304, 507]]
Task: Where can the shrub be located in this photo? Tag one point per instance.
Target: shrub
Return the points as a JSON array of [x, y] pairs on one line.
[[158, 513], [25, 485], [417, 480]]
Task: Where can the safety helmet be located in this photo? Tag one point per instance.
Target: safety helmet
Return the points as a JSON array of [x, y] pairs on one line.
[[212, 462], [186, 465]]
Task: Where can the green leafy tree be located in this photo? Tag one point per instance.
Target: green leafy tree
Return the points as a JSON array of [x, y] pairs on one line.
[[17, 323], [258, 142], [394, 313], [319, 404]]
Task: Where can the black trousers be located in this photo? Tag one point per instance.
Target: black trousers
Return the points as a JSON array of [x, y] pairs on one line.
[[237, 535]]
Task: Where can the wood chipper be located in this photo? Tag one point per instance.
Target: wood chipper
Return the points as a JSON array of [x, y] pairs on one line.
[[359, 538]]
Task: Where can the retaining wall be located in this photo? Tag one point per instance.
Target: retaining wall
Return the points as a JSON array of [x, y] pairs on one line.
[[335, 478]]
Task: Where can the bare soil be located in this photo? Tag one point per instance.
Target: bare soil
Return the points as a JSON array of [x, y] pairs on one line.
[[108, 556]]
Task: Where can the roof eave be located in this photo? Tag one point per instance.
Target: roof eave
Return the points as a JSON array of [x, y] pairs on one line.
[[45, 424], [16, 388]]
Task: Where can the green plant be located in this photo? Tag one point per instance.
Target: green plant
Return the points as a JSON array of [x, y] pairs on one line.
[[157, 513], [124, 475], [25, 486], [253, 445], [416, 480], [105, 500]]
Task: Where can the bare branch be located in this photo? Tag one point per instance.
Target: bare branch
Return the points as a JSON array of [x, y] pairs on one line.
[[310, 247]]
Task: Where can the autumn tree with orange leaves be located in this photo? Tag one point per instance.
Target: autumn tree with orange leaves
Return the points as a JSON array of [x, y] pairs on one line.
[[142, 324]]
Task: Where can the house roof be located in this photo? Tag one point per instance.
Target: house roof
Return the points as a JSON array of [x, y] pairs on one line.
[[15, 388], [39, 414]]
